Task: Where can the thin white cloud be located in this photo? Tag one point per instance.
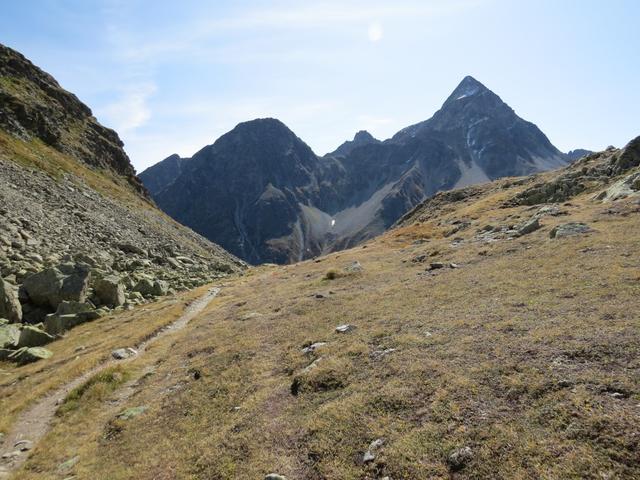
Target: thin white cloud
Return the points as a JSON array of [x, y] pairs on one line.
[[375, 32], [131, 110], [190, 38]]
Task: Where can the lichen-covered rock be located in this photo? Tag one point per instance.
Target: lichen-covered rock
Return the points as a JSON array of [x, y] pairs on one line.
[[110, 291], [10, 307], [29, 354], [151, 288], [32, 336], [570, 229], [9, 335], [52, 286]]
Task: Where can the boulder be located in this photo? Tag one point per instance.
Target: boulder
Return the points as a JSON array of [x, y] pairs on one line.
[[52, 286], [70, 307], [43, 288], [110, 291], [30, 354], [75, 286], [148, 288], [529, 227], [9, 335], [10, 307], [274, 476], [58, 323], [32, 336], [569, 229]]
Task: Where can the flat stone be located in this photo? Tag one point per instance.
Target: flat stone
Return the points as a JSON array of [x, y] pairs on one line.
[[345, 328], [124, 353]]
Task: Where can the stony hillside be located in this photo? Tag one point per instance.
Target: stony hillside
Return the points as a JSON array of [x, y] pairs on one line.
[[79, 236], [491, 334], [260, 192]]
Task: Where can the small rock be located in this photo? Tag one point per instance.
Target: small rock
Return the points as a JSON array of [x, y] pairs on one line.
[[354, 267], [23, 445], [69, 464], [435, 266], [460, 458], [9, 455], [132, 412], [370, 454], [124, 353], [274, 476], [344, 328], [313, 347]]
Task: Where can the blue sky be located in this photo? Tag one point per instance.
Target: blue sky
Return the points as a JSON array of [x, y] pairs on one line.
[[174, 76]]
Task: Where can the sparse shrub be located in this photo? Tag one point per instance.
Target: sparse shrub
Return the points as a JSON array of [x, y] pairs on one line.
[[331, 274]]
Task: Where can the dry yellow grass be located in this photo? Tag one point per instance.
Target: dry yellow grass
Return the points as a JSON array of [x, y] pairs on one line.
[[528, 354]]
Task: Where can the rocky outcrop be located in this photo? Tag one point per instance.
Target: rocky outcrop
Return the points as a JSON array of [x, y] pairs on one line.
[[34, 105]]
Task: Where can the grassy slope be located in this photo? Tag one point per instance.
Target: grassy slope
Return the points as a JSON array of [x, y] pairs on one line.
[[517, 355]]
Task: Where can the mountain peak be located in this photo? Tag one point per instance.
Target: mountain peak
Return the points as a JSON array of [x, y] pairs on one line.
[[468, 87], [363, 137]]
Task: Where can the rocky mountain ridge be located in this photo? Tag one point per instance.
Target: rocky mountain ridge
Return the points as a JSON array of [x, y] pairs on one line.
[[266, 197], [79, 236]]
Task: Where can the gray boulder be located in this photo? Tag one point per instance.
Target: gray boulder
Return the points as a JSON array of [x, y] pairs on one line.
[[50, 287], [569, 229], [30, 354], [149, 288], [110, 291], [10, 307], [32, 336], [529, 227], [9, 335], [43, 288]]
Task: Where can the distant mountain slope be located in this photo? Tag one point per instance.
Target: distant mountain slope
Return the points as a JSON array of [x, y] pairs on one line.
[[264, 201], [162, 174]]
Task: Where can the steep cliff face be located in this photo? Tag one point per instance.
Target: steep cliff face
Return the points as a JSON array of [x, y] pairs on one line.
[[35, 106], [263, 194]]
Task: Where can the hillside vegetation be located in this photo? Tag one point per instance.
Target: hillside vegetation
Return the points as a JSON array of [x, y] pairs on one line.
[[492, 334]]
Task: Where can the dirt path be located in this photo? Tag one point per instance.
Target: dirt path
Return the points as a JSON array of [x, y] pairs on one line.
[[34, 423]]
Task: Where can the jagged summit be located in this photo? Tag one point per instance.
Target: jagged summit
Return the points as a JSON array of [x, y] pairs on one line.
[[362, 137], [468, 87]]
